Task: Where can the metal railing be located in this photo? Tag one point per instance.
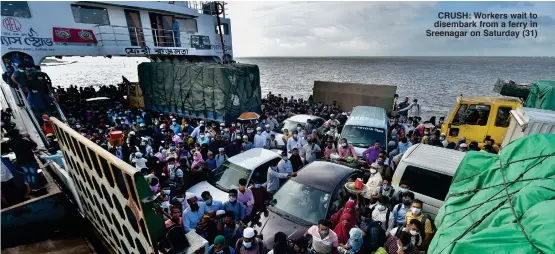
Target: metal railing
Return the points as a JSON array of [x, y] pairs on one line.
[[110, 35], [207, 7]]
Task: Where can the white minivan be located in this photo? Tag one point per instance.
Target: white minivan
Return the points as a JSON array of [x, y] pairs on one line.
[[365, 126], [429, 171]]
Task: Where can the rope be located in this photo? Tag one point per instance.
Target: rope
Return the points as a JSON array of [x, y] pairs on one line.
[[508, 196]]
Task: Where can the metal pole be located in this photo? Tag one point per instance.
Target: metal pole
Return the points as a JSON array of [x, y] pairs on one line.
[[136, 37], [218, 5]]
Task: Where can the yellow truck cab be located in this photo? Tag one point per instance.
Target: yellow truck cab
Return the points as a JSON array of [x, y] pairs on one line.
[[477, 118]]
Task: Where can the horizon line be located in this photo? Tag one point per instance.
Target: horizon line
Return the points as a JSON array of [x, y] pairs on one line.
[[383, 56]]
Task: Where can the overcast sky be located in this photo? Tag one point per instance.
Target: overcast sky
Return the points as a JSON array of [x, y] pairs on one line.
[[376, 29]]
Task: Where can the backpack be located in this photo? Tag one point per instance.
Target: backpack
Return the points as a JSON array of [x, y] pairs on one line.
[[422, 225], [375, 234]]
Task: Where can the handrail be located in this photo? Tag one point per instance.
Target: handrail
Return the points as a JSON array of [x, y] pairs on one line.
[[137, 35]]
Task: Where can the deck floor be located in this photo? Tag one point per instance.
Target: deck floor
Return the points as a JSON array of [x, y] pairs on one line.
[[62, 246]]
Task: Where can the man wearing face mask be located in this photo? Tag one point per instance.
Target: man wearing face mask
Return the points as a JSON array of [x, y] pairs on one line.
[[259, 138], [232, 205], [246, 145], [212, 204], [374, 182], [384, 190], [193, 214], [346, 150], [196, 131], [250, 244], [324, 240], [267, 132], [293, 142], [381, 213], [426, 224], [284, 165], [400, 210]]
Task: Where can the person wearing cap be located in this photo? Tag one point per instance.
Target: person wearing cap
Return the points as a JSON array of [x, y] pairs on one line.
[[259, 138], [354, 244], [463, 147], [267, 132], [193, 213], [250, 244], [139, 161], [220, 246], [221, 157], [246, 145]]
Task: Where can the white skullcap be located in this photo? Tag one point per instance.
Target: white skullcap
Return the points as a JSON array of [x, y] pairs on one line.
[[222, 124], [245, 136], [258, 128], [332, 115], [248, 232], [443, 134], [131, 133], [190, 195], [221, 149], [220, 212], [267, 125], [463, 145], [142, 124], [201, 122], [138, 154]]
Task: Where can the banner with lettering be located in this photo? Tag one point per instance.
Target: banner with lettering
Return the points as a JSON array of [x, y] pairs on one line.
[[73, 36]]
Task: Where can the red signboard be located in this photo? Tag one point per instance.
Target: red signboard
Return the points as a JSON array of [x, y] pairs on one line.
[[72, 35]]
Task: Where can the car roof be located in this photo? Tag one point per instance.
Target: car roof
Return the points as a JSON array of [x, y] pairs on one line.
[[253, 158], [302, 118], [487, 99], [322, 175], [368, 116], [436, 158]]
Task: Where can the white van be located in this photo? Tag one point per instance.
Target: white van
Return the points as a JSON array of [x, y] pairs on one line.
[[364, 126], [429, 171]]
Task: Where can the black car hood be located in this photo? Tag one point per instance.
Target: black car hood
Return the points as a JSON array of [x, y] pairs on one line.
[[269, 225]]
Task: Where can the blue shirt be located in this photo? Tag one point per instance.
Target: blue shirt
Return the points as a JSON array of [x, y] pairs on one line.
[[191, 218], [58, 158], [404, 147], [175, 26], [215, 206], [400, 215], [237, 208], [176, 128], [231, 250], [212, 163]]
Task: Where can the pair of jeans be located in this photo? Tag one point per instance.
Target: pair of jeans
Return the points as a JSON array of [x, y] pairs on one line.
[[31, 175]]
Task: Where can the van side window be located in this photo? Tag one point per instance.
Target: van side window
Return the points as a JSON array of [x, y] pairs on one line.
[[477, 115], [461, 115], [18, 9], [427, 183], [502, 119]]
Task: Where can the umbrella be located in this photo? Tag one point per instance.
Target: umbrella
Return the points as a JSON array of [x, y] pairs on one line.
[[248, 116]]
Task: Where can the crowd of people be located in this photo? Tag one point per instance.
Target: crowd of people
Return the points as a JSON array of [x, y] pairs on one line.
[[174, 153]]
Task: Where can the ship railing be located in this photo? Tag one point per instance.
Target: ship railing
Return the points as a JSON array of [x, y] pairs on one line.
[[123, 36], [207, 7]]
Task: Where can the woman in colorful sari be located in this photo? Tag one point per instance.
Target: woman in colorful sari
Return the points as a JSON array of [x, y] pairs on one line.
[[342, 229]]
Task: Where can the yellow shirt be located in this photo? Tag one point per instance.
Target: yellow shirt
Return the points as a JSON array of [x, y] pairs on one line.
[[427, 228], [286, 137]]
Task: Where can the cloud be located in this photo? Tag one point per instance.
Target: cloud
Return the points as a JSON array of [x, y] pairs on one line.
[[375, 29]]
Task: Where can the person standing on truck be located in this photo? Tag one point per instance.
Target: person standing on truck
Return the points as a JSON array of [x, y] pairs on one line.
[[404, 108], [414, 111]]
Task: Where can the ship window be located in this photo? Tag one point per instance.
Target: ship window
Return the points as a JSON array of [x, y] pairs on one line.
[[90, 15], [187, 25], [18, 9]]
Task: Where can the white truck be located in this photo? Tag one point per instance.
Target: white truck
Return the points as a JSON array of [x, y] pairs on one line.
[[528, 121]]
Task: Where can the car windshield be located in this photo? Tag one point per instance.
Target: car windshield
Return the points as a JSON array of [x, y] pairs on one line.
[[302, 202], [226, 177], [362, 136], [290, 125]]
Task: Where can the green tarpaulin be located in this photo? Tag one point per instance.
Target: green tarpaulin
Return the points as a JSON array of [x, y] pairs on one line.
[[542, 95], [501, 203], [208, 90]]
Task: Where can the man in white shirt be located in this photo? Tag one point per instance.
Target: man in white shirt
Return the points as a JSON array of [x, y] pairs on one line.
[[310, 150], [414, 110], [381, 213], [284, 165], [196, 131], [259, 138], [293, 142], [139, 161]]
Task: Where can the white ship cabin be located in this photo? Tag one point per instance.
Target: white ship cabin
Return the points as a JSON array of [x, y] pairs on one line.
[[189, 31]]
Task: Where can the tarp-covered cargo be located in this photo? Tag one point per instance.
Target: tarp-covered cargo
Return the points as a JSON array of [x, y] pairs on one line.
[[501, 203], [350, 95], [542, 95], [203, 90]]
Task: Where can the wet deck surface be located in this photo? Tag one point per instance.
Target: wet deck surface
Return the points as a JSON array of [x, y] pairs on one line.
[[64, 246]]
